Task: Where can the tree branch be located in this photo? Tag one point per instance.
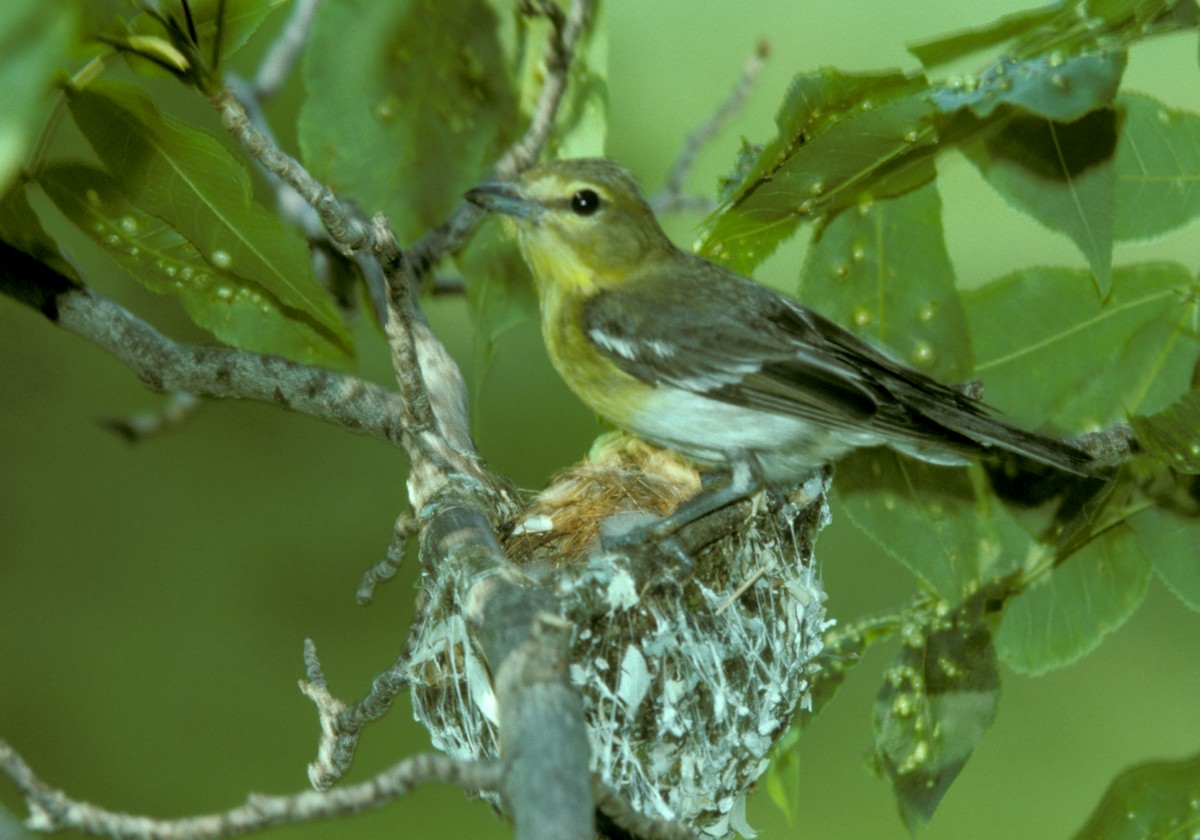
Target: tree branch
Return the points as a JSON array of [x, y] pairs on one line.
[[165, 365], [672, 198], [52, 810]]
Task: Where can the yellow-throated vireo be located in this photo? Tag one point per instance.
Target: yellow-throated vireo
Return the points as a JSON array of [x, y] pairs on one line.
[[690, 356]]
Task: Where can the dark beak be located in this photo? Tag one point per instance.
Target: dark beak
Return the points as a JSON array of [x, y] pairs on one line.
[[503, 197]]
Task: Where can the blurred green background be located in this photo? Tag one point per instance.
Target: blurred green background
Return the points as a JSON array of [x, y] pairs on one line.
[[154, 598]]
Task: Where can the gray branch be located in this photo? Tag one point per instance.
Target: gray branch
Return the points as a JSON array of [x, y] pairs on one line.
[[165, 365], [52, 810]]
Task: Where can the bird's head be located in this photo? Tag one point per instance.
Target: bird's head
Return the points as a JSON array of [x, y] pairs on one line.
[[579, 222]]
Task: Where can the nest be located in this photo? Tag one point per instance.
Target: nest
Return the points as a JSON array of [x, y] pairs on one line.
[[686, 682]]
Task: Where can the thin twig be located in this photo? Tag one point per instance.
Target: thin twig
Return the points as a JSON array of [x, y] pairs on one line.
[[346, 227], [385, 569], [52, 810], [180, 408], [672, 198], [341, 724]]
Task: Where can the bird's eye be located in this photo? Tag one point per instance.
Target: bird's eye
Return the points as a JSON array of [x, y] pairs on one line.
[[585, 202]]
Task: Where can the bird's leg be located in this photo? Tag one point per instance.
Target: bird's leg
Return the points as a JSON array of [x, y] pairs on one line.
[[653, 543]]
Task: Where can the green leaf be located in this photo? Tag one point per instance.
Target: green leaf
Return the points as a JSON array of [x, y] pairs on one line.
[[1173, 434], [236, 310], [937, 701], [1051, 353], [939, 522], [35, 39], [1053, 86], [191, 182], [1170, 540], [1158, 169], [948, 48], [1066, 613], [433, 106], [841, 137], [1158, 799], [1061, 175], [883, 270]]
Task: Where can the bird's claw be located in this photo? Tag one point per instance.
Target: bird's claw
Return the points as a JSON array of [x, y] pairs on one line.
[[655, 559]]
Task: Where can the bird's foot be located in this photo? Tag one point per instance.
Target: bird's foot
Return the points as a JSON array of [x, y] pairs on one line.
[[656, 559]]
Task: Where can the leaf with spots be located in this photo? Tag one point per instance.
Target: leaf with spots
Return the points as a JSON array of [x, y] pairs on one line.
[[840, 136], [883, 270], [937, 701], [235, 309], [1051, 85], [191, 182], [1158, 799]]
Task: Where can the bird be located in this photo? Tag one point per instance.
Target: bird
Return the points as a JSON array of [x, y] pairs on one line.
[[688, 355]]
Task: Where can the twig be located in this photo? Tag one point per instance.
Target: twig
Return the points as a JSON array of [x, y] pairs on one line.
[[179, 409], [206, 371], [52, 810], [277, 64], [346, 228], [672, 198], [385, 569], [450, 235], [342, 724]]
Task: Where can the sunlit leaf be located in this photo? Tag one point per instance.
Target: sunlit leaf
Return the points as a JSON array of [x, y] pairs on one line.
[[1060, 174], [1171, 542], [190, 181], [1158, 169], [938, 699], [841, 137], [236, 310], [1051, 354], [1067, 613], [430, 111], [1054, 86], [35, 38], [1158, 799], [883, 270], [934, 520]]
